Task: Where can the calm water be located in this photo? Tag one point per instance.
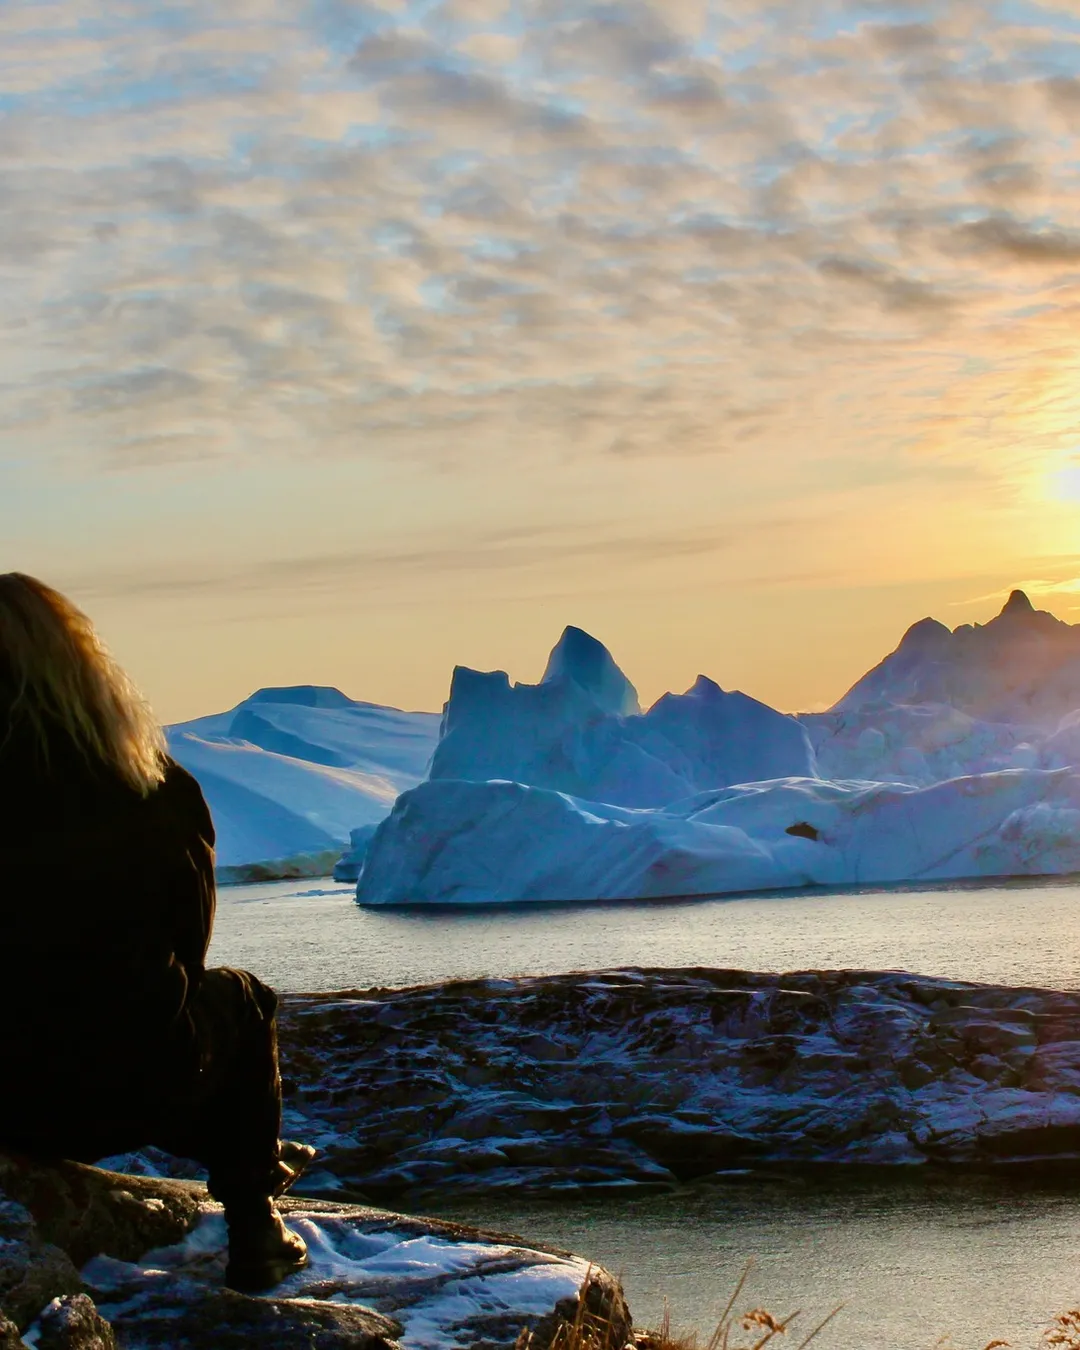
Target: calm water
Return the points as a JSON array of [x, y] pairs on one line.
[[912, 1263], [312, 936], [918, 1263]]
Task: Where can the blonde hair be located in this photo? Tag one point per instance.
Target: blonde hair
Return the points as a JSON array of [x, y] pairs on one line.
[[61, 680]]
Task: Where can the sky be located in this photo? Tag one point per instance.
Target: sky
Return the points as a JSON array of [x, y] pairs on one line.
[[343, 342]]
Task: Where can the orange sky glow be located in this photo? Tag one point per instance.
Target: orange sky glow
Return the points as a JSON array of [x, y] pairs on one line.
[[342, 343]]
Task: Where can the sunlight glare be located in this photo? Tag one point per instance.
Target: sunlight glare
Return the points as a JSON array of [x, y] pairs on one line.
[[1063, 482]]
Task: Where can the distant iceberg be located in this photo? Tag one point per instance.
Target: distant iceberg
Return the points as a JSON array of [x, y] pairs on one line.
[[565, 789], [975, 699], [920, 743], [290, 773], [1021, 667], [579, 658]]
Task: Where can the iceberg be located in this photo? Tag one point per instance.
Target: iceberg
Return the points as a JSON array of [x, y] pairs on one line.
[[919, 743], [295, 775], [347, 867], [456, 842], [578, 731], [942, 763], [579, 657], [975, 699], [1021, 667], [289, 773]]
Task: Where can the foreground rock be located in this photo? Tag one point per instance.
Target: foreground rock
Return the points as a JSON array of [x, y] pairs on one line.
[[152, 1255], [646, 1078]]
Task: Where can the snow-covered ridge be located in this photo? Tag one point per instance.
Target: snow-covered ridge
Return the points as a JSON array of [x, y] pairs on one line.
[[288, 773]]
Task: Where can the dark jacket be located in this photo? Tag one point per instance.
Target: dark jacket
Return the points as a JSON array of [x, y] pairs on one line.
[[106, 907]]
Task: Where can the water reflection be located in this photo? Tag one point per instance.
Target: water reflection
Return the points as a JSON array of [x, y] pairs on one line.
[[914, 1258]]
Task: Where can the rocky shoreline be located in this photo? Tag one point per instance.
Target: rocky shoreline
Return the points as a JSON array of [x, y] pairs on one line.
[[645, 1078], [92, 1259], [621, 1080]]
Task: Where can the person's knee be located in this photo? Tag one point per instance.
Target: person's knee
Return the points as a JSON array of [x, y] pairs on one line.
[[238, 990]]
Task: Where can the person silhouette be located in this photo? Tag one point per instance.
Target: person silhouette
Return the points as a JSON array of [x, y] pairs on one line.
[[113, 1033]]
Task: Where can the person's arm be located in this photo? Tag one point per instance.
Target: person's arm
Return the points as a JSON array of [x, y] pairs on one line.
[[195, 895]]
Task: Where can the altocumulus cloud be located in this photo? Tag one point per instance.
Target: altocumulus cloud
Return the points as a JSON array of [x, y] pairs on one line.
[[471, 228]]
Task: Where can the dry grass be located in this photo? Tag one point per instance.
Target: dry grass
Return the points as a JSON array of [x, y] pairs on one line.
[[1064, 1331], [751, 1330]]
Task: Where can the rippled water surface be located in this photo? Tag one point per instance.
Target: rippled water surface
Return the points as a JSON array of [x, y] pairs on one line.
[[312, 936], [919, 1263]]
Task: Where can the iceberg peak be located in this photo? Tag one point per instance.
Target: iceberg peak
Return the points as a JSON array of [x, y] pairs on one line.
[[926, 633], [582, 658], [1018, 603], [301, 696], [703, 687]]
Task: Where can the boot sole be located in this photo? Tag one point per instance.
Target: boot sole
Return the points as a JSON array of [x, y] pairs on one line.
[[266, 1275]]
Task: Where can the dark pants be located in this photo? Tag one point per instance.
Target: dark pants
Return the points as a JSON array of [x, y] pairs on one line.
[[215, 1096]]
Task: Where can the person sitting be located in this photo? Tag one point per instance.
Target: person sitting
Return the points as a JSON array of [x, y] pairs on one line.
[[113, 1033]]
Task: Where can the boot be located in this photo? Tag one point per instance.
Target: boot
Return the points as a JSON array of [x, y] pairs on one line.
[[293, 1161], [262, 1251]]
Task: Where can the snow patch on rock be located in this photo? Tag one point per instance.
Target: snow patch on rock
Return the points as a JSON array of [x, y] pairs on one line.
[[443, 1288]]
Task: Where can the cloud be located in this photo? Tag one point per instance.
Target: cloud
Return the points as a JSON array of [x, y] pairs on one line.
[[517, 551], [578, 228], [1020, 242], [891, 289]]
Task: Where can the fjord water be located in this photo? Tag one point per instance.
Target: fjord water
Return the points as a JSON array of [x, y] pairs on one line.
[[951, 1263], [915, 1258], [311, 936]]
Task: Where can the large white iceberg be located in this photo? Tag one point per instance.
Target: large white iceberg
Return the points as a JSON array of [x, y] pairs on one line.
[[578, 731], [936, 765], [289, 773], [456, 842]]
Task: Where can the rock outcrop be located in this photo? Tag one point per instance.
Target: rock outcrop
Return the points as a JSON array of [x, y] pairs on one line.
[[86, 1210], [32, 1272], [74, 1323], [152, 1255], [650, 1078], [627, 1079]]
